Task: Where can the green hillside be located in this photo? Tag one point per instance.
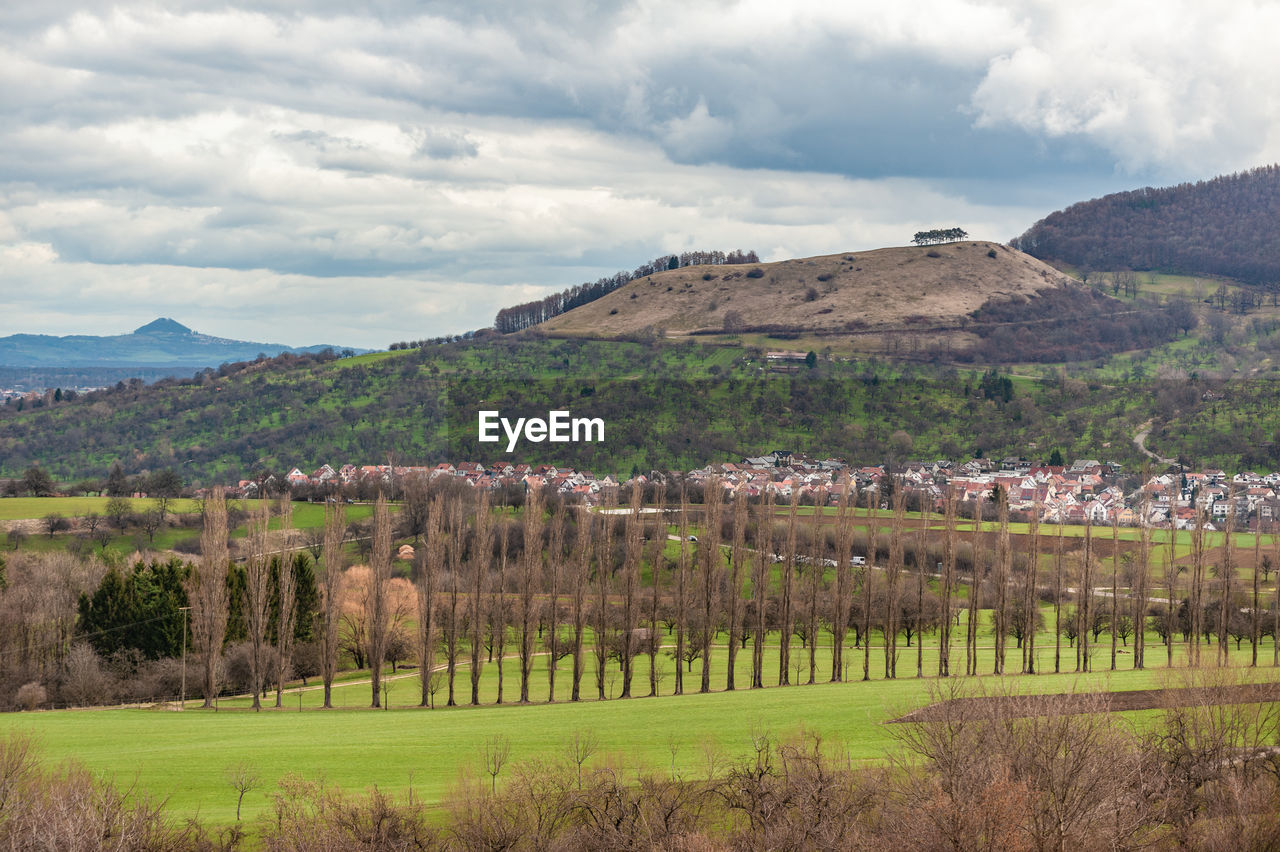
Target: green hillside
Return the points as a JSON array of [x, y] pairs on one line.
[[665, 405]]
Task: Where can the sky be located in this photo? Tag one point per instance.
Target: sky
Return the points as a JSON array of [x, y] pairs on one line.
[[360, 173]]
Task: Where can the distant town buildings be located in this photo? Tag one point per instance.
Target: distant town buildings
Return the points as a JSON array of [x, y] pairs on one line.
[[1086, 490]]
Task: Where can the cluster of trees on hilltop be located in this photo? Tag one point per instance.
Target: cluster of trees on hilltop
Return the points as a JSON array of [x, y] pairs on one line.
[[518, 317], [939, 235], [1216, 227]]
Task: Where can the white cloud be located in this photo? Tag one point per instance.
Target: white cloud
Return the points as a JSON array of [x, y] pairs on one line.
[[272, 167]]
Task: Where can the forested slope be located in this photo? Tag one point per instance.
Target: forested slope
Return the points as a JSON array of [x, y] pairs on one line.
[[1224, 226], [666, 406]]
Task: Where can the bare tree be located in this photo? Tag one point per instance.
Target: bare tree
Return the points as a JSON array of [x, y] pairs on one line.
[[555, 580], [497, 749], [377, 612], [844, 582], [1115, 583], [600, 607], [452, 616], [1196, 598], [712, 567], [633, 535], [428, 562], [948, 583], [1031, 581], [1004, 558], [786, 591], [873, 535], [1141, 582], [815, 571], [893, 576], [287, 595], [657, 566], [1226, 583], [581, 579], [1057, 601], [335, 524], [682, 588], [257, 598], [733, 594], [498, 607], [530, 575], [1254, 613], [481, 557], [760, 586], [207, 591], [244, 779]]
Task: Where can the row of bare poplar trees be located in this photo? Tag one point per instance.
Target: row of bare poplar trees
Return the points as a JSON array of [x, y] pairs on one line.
[[570, 584]]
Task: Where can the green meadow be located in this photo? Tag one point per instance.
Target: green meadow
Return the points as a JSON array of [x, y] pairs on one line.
[[182, 757]]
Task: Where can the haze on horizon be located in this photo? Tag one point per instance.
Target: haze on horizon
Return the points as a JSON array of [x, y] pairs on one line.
[[364, 172]]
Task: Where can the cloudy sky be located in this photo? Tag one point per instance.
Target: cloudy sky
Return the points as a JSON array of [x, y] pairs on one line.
[[365, 172]]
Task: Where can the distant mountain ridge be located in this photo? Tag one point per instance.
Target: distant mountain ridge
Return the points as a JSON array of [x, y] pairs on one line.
[[161, 343]]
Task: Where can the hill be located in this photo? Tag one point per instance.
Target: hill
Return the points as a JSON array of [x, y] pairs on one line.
[[162, 343], [1217, 227], [885, 288]]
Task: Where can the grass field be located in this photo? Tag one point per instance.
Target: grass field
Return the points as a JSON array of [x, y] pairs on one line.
[[183, 756]]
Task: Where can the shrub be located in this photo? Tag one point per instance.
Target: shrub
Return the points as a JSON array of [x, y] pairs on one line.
[[811, 294], [32, 695], [932, 253], [826, 276], [612, 312], [707, 276], [991, 253], [756, 273]]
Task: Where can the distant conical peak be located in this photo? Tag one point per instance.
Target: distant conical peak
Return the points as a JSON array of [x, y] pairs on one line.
[[163, 325]]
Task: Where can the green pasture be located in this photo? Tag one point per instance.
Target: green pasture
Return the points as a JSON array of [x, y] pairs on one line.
[[182, 756]]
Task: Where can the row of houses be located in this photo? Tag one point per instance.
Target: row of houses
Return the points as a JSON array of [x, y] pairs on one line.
[[1087, 490]]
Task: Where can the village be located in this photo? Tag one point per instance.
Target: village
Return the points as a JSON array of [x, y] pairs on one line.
[[1086, 491]]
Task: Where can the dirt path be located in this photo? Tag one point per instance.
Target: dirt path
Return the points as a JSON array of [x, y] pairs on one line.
[[1019, 706], [1140, 441]]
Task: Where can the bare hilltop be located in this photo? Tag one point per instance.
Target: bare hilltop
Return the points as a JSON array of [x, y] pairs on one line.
[[881, 289]]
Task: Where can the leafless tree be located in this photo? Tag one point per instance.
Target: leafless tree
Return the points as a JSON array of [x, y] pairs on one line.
[[1141, 589], [481, 557], [377, 612], [761, 569], [1196, 598], [1115, 583], [682, 588], [975, 595], [844, 583], [948, 583], [1031, 581], [1226, 583], [451, 634], [429, 563], [873, 535], [207, 591], [555, 579], [287, 596], [257, 598], [497, 750], [815, 570], [712, 566], [893, 579], [1084, 600], [581, 579], [1004, 558], [335, 524], [530, 575], [633, 535], [498, 607], [786, 592], [244, 779], [657, 567]]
